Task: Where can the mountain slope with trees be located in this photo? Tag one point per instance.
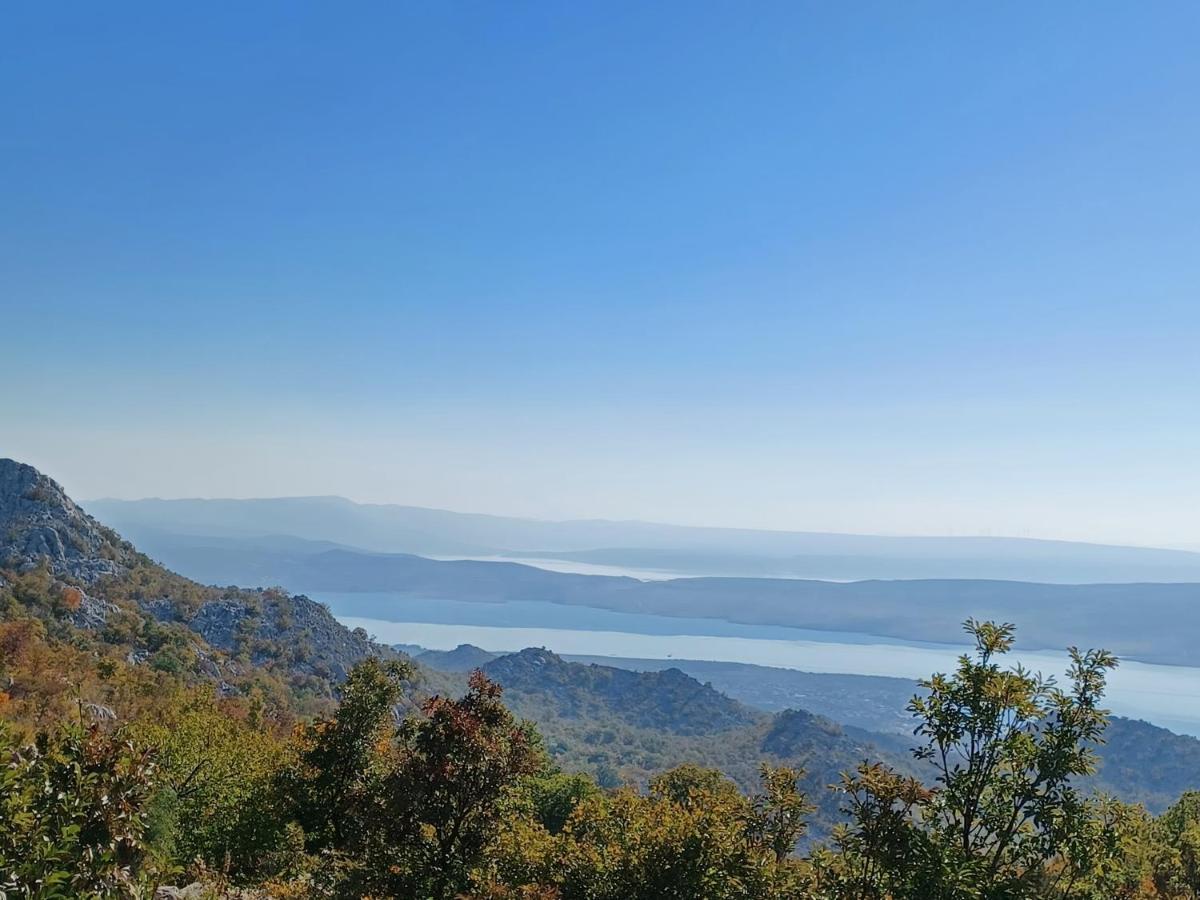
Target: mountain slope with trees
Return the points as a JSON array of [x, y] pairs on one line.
[[85, 585]]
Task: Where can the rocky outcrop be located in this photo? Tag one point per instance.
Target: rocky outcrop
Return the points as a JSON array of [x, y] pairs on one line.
[[220, 622], [41, 526], [92, 612], [40, 523], [270, 621]]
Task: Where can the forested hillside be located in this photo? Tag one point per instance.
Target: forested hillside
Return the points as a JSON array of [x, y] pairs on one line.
[[69, 579], [158, 731]]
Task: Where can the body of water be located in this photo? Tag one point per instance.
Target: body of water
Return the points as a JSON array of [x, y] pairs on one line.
[[573, 567], [1165, 695]]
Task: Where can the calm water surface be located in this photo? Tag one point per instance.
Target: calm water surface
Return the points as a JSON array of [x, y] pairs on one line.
[[1165, 695]]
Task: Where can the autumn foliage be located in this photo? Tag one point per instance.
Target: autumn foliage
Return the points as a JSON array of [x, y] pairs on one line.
[[121, 770]]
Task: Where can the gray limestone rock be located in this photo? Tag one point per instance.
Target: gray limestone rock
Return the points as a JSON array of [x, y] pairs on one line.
[[40, 523]]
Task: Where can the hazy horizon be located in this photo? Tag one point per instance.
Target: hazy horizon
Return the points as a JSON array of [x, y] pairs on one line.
[[84, 501], [669, 263]]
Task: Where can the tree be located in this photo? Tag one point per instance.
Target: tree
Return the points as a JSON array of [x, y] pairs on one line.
[[884, 853], [1177, 862], [444, 792], [215, 800], [334, 780], [692, 835], [1004, 819], [690, 785], [74, 812], [778, 814], [552, 796], [1139, 857]]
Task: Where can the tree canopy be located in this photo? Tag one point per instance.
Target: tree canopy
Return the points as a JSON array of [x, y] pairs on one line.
[[387, 795]]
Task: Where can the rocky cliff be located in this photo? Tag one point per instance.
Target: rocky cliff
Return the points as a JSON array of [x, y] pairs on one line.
[[40, 523], [94, 578]]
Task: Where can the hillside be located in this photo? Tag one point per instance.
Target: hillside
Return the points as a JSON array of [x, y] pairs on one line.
[[541, 683], [869, 702], [624, 727], [1138, 762], [463, 658], [89, 588]]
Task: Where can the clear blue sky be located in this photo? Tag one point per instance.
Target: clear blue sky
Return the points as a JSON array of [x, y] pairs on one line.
[[892, 267]]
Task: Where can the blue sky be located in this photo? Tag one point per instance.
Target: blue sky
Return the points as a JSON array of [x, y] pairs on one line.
[[880, 267]]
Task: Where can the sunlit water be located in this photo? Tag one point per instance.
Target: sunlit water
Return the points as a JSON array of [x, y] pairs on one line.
[[577, 567], [1165, 695], [573, 567]]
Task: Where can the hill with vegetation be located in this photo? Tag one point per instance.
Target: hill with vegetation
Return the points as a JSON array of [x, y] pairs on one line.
[[463, 658], [1138, 762], [595, 721], [625, 727], [86, 586], [870, 702]]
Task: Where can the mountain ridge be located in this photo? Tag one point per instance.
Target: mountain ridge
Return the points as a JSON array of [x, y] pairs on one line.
[[393, 528], [1149, 621], [648, 523]]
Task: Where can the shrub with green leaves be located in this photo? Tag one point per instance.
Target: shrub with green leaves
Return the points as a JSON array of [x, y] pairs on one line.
[[74, 807], [1003, 817]]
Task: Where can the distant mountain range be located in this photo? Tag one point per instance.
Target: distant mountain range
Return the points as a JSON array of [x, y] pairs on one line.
[[668, 548], [1152, 622]]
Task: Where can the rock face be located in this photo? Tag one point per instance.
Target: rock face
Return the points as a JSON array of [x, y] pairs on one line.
[[38, 521], [92, 612], [41, 525], [316, 642]]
